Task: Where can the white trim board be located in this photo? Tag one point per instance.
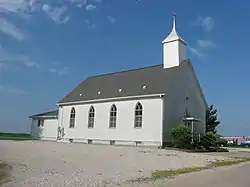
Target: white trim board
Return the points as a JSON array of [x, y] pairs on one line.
[[110, 99]]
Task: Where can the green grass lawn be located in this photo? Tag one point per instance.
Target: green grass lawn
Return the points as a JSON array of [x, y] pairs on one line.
[[172, 173], [237, 146], [15, 136]]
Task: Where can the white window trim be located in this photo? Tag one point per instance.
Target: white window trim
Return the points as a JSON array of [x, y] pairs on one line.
[[72, 112], [138, 116], [91, 119], [112, 119], [112, 99]]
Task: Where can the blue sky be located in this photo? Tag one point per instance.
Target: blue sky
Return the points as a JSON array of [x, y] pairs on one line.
[[48, 47]]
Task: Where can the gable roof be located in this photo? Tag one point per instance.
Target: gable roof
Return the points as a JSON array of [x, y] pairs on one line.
[[48, 114], [198, 84], [130, 83]]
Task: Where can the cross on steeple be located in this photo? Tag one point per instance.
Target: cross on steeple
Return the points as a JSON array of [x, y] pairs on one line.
[[174, 22]]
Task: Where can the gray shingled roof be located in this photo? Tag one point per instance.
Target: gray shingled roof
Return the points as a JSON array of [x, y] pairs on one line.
[[51, 113], [156, 78]]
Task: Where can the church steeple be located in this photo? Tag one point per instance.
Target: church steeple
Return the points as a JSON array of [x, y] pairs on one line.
[[174, 48], [174, 34]]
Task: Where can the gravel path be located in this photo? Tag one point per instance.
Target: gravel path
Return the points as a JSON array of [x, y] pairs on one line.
[[43, 164]]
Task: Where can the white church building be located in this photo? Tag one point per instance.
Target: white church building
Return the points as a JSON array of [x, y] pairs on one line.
[[133, 107]]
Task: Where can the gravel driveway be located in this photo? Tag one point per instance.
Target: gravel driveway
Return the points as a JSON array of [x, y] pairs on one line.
[[37, 163]]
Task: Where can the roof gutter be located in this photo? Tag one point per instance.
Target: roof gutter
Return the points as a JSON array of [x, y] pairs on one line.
[[42, 117], [111, 99]]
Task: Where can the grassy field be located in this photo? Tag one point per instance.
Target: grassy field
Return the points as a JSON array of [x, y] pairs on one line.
[[15, 136], [215, 164], [237, 146], [172, 173]]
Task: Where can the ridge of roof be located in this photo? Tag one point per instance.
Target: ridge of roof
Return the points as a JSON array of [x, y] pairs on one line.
[[45, 112], [125, 71]]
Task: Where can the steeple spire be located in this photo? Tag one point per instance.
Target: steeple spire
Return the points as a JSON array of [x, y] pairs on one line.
[[174, 23], [174, 48], [174, 34]]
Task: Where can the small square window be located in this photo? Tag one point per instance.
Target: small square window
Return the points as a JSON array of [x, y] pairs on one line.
[[137, 143], [90, 141], [40, 123], [112, 142]]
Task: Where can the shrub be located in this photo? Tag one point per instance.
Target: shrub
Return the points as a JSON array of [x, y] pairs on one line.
[[221, 142], [208, 140], [199, 148], [211, 136], [181, 137], [219, 149]]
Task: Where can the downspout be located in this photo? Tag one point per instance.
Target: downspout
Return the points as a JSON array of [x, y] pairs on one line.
[[60, 117], [58, 124], [62, 122], [192, 131], [163, 119]]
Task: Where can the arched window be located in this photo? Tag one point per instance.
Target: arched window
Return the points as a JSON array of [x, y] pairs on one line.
[[72, 118], [138, 115], [112, 117], [91, 117]]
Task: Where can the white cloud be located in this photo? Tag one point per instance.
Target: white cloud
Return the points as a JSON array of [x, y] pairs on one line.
[[79, 3], [90, 7], [207, 23], [27, 62], [60, 72], [13, 5], [25, 8], [56, 10], [111, 19], [196, 52], [201, 46], [90, 25], [46, 7], [56, 13], [11, 90], [16, 60], [22, 7], [206, 43], [97, 1], [10, 29]]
